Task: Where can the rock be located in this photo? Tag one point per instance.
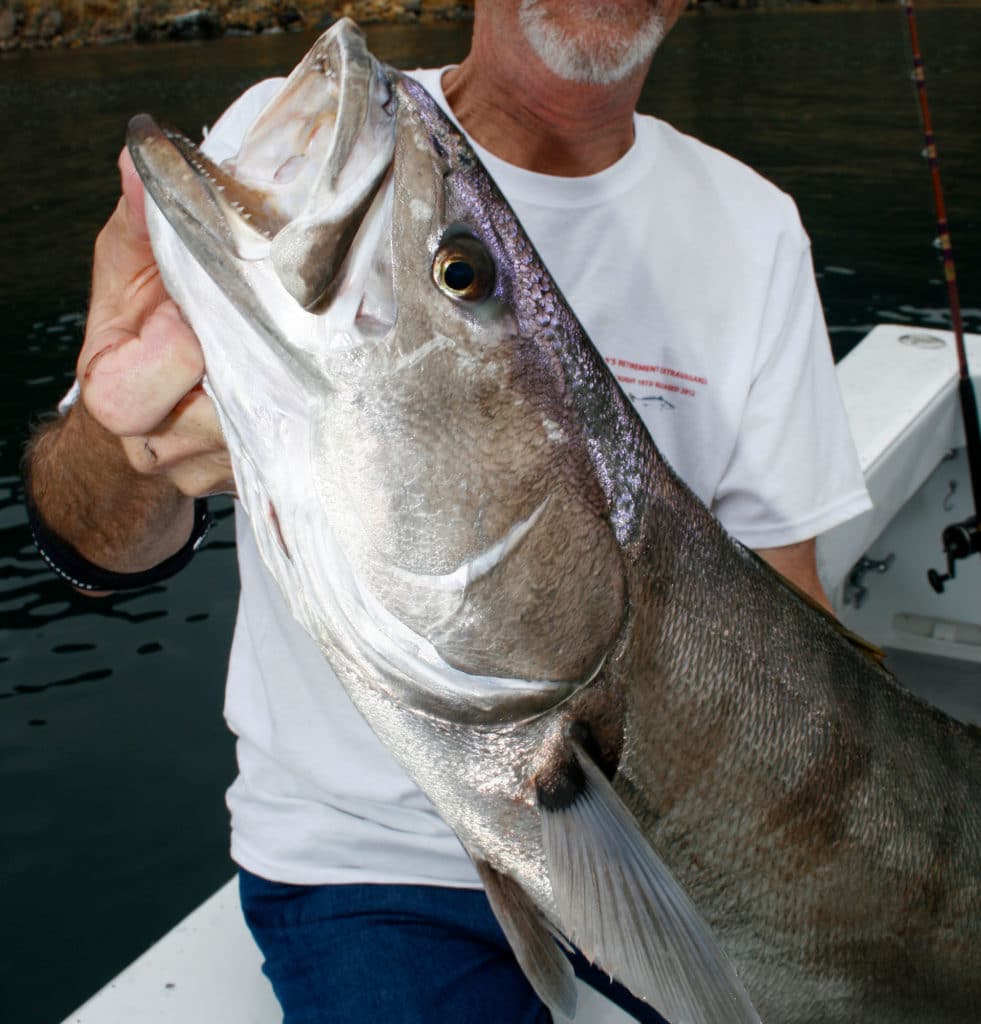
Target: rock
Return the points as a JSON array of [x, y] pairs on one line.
[[288, 17], [200, 23], [49, 24], [8, 25]]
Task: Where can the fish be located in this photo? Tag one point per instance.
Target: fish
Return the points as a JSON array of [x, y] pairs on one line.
[[653, 747]]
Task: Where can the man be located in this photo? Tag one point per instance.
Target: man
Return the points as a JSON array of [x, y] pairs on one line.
[[693, 278]]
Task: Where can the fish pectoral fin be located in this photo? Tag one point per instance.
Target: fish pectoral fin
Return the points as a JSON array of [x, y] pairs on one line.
[[534, 945], [618, 902]]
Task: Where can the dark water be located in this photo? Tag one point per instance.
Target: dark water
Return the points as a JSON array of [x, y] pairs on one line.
[[113, 754]]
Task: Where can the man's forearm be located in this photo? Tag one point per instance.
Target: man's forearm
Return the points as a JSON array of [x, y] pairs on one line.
[[798, 563], [86, 491]]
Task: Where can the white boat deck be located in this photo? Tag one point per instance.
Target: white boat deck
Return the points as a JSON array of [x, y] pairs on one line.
[[207, 970], [952, 685], [900, 390], [899, 387]]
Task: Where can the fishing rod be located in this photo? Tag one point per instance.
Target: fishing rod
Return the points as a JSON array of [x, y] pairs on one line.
[[962, 539]]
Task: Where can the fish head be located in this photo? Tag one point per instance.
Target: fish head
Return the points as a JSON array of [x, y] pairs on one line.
[[385, 351]]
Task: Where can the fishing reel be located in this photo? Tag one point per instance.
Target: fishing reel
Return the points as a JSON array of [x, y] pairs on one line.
[[960, 540]]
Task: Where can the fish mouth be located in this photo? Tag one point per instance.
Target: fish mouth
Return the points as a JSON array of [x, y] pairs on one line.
[[302, 182]]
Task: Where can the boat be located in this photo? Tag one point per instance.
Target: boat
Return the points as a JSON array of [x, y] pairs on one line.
[[885, 570], [900, 390]]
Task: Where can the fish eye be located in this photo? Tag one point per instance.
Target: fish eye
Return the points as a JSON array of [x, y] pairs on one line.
[[463, 269]]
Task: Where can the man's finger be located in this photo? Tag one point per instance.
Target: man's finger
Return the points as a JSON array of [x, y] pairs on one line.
[[188, 448], [124, 272], [133, 192], [194, 426], [133, 383]]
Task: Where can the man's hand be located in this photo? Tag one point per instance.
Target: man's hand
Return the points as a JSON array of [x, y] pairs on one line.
[[115, 477], [141, 366]]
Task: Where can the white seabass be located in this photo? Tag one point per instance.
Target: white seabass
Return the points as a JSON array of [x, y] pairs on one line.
[[332, 376]]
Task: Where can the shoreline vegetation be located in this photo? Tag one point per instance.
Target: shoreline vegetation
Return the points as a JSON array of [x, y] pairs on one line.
[[71, 24]]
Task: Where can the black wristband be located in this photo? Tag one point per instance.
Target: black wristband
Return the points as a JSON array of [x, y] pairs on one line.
[[83, 574]]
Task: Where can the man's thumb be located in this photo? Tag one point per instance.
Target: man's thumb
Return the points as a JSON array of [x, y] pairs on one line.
[[132, 192]]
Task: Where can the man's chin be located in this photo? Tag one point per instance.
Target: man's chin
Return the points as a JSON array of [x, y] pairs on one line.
[[599, 53]]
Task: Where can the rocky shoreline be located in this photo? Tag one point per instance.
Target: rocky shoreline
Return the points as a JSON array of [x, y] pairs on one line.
[[60, 24], [68, 24]]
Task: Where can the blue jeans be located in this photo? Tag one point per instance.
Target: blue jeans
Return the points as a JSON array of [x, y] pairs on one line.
[[396, 954]]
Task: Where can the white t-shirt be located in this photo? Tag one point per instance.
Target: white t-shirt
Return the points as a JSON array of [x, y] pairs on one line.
[[692, 275]]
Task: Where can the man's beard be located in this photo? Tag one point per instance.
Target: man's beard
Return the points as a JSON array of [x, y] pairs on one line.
[[600, 57]]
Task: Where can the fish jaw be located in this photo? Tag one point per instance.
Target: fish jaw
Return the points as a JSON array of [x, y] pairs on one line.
[[296, 193]]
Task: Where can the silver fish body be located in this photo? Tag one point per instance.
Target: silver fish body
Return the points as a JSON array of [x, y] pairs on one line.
[[650, 745]]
